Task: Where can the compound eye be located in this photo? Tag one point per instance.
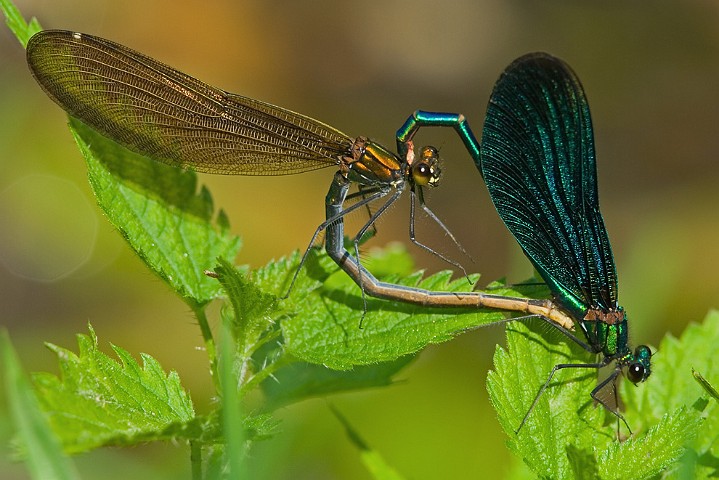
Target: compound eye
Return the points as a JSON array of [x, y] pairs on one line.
[[422, 173], [635, 372]]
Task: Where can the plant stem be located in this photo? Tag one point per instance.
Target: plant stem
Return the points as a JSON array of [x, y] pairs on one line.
[[196, 460], [264, 373], [209, 342]]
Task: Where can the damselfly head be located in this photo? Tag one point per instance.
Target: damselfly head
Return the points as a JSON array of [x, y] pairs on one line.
[[639, 368], [425, 167]]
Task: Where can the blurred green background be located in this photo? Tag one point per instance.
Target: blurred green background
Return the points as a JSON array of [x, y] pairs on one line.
[[650, 70]]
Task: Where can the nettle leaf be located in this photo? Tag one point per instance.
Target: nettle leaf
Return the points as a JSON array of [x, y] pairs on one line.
[[276, 276], [298, 381], [161, 214], [285, 378], [348, 357], [648, 454], [99, 401], [393, 259], [326, 329], [567, 435], [673, 386], [560, 416], [253, 308]]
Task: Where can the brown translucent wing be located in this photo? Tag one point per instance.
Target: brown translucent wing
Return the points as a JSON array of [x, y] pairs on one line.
[[172, 117]]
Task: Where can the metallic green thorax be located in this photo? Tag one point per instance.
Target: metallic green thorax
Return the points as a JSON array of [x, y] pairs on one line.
[[607, 332]]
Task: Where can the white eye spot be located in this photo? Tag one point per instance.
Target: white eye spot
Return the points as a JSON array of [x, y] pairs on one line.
[[77, 35]]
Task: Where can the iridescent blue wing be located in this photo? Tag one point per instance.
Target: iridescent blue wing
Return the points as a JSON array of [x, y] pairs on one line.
[[538, 161]]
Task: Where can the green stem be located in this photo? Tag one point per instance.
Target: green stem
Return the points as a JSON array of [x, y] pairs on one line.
[[209, 343], [196, 460], [232, 411], [266, 372], [245, 373]]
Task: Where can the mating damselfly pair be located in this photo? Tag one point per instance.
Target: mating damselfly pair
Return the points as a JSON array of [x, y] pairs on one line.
[[536, 158]]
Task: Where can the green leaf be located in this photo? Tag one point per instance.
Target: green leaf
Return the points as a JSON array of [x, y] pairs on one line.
[[43, 453], [98, 401], [373, 461], [560, 416], [17, 24], [299, 380], [161, 214], [253, 308], [567, 435], [392, 259], [582, 462], [673, 386], [276, 277], [324, 327], [313, 306], [654, 452]]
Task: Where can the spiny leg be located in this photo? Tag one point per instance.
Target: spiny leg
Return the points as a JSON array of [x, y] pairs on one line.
[[615, 411], [337, 191], [431, 214], [556, 368], [361, 232]]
